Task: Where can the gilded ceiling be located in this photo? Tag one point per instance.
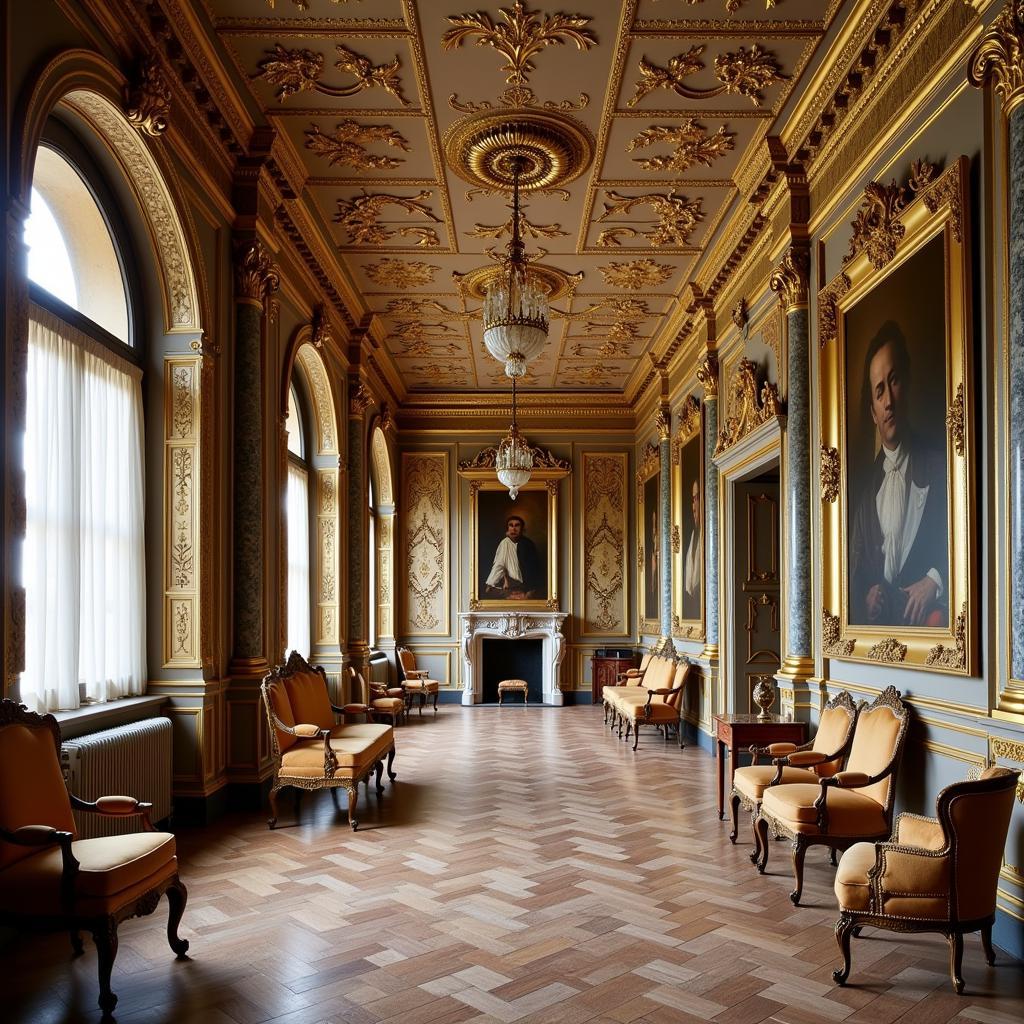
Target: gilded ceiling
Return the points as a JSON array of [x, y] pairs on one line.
[[669, 101]]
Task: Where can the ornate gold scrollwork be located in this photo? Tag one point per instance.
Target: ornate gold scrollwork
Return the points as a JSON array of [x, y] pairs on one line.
[[359, 400], [256, 275], [689, 417], [889, 649], [677, 540], [877, 230], [693, 145], [663, 424], [832, 645], [828, 310], [677, 215], [650, 462], [542, 459], [707, 375], [401, 273], [829, 473], [345, 145], [789, 279], [636, 275], [956, 421], [999, 57], [148, 99], [748, 408], [955, 656], [359, 217], [738, 314]]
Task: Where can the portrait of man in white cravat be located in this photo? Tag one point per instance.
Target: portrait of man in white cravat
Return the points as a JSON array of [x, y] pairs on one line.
[[899, 544], [693, 536], [516, 571]]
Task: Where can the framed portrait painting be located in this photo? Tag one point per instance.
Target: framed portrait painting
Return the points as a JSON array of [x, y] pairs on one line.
[[897, 458], [648, 485], [688, 520]]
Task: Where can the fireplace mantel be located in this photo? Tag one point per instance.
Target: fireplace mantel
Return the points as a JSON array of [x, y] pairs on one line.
[[512, 625]]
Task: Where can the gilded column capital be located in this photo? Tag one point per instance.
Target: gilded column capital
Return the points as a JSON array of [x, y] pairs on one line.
[[359, 400], [256, 275], [999, 57], [321, 327], [707, 375], [789, 279], [147, 99], [662, 422]]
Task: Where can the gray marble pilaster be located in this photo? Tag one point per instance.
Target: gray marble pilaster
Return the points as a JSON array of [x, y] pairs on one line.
[[798, 488], [665, 503], [1015, 439], [710, 520]]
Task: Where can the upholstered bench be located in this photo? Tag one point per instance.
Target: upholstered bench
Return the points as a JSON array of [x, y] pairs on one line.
[[657, 699], [513, 686]]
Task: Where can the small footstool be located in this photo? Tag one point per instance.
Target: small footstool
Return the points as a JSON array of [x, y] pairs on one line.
[[512, 686]]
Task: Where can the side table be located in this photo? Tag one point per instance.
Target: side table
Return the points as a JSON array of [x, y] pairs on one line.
[[737, 732]]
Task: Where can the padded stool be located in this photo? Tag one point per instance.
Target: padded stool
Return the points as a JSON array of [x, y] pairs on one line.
[[512, 686]]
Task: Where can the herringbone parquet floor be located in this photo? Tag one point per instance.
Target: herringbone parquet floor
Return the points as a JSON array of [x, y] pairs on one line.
[[526, 866]]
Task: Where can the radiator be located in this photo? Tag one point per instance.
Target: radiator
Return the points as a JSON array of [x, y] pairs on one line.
[[131, 760]]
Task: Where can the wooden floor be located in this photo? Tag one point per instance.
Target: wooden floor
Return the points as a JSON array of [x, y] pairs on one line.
[[525, 866]]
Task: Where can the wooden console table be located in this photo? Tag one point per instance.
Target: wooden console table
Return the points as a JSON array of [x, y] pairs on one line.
[[605, 671], [738, 732]]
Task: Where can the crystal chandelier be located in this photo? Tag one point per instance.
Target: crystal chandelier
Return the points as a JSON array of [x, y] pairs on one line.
[[514, 459], [515, 309]]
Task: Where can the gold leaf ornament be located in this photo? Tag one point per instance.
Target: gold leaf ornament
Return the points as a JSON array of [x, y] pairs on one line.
[[678, 216], [345, 145], [693, 145], [637, 274], [401, 273], [293, 71], [359, 216]]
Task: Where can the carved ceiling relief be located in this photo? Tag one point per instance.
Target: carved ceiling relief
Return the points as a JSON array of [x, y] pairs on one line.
[[294, 71], [360, 217], [346, 145]]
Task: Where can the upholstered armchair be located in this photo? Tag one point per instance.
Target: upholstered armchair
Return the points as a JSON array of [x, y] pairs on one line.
[[51, 881], [851, 806], [417, 681], [632, 676], [382, 701], [310, 749], [821, 757], [935, 875]]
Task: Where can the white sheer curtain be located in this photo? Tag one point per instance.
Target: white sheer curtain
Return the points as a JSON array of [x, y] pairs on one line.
[[84, 558], [298, 560]]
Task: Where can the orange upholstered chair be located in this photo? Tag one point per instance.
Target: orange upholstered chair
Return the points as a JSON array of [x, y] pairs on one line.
[[51, 880], [661, 706], [417, 681], [808, 763], [936, 875], [310, 749], [382, 702], [852, 806]]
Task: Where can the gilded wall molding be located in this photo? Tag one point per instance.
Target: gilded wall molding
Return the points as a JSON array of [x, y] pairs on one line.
[[748, 407], [829, 474], [889, 649], [605, 503], [650, 462], [425, 543], [954, 657], [832, 644]]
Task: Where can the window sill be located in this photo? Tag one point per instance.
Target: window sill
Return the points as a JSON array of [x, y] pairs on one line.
[[94, 717]]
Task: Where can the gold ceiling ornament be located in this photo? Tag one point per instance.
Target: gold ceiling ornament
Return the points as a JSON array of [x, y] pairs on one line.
[[426, 237], [401, 273], [148, 99], [610, 349], [889, 649], [956, 421], [498, 376], [441, 372], [678, 216], [293, 71], [345, 145], [877, 230], [636, 275], [748, 408], [617, 308], [359, 216], [551, 149], [707, 376], [590, 376], [999, 57], [618, 330], [417, 328], [610, 236], [693, 145], [829, 476], [520, 36], [474, 283], [956, 656], [421, 307], [526, 228], [741, 72], [832, 644], [421, 348], [828, 309], [790, 278]]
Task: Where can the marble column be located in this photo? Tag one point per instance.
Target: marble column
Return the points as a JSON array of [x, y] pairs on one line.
[[357, 648], [256, 277], [665, 644], [789, 281], [998, 60], [707, 376]]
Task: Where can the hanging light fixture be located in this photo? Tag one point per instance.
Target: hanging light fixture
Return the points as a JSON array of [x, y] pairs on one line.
[[515, 309], [514, 460]]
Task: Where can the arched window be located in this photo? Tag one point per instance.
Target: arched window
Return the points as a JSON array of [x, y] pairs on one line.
[[84, 557], [297, 516]]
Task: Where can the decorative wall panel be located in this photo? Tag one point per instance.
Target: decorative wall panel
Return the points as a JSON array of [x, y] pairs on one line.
[[327, 556], [181, 647], [605, 503], [425, 543]]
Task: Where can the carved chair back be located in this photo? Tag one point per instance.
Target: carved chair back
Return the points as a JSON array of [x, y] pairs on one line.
[[296, 692], [878, 740], [834, 730], [32, 790]]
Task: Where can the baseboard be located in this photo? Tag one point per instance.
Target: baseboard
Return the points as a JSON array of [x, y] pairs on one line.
[[577, 697], [1008, 934], [199, 810]]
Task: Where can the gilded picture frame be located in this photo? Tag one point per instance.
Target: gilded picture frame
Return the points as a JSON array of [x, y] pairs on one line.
[[491, 511], [688, 599], [897, 472], [648, 583]]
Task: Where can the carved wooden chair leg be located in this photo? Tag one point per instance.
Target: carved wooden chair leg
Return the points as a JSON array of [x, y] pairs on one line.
[[380, 776], [606, 712], [622, 722], [844, 930], [629, 729], [857, 929], [353, 796], [799, 850], [77, 949], [735, 802], [755, 854], [832, 857], [436, 695], [272, 820], [104, 934], [956, 957], [679, 729], [636, 735], [391, 761], [986, 941], [177, 897], [762, 838]]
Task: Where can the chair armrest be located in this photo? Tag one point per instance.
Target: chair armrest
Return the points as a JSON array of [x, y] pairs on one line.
[[908, 871], [662, 691], [805, 758], [354, 709], [116, 807], [918, 831], [46, 835], [851, 780], [417, 673], [844, 780]]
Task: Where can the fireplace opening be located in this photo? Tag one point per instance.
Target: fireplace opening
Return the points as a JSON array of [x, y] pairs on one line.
[[513, 659]]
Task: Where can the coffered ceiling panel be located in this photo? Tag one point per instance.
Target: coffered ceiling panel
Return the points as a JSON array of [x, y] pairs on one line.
[[657, 106]]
